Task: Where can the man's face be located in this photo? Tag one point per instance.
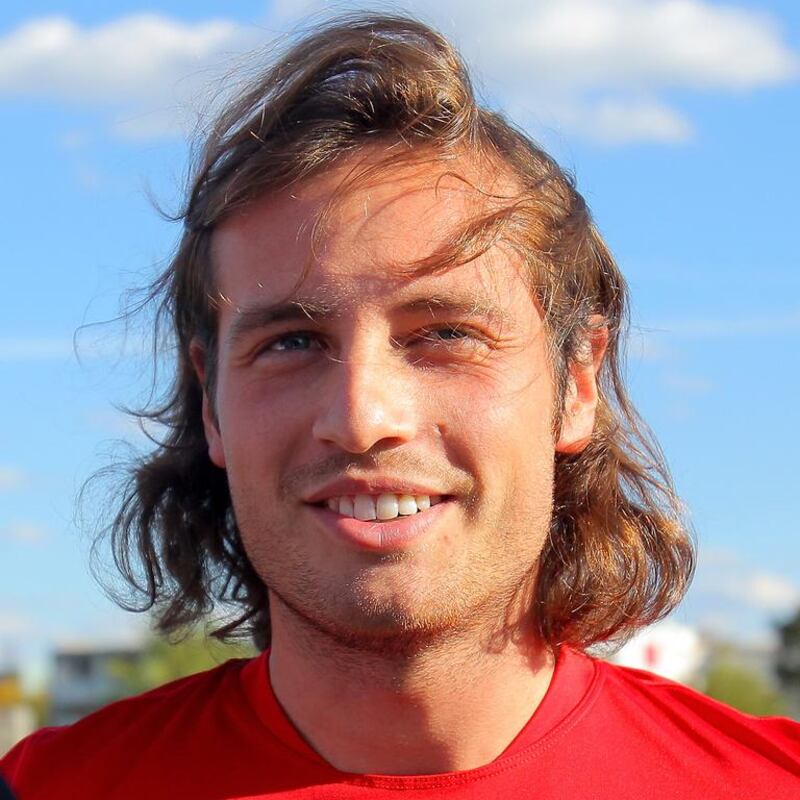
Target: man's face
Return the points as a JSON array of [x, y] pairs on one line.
[[356, 381]]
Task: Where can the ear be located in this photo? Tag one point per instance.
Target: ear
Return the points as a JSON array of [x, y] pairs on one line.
[[197, 354], [580, 398]]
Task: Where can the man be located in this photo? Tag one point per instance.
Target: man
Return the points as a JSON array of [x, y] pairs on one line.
[[401, 448]]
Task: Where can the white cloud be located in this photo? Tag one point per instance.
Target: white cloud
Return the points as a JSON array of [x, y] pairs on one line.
[[640, 44], [11, 478], [145, 125], [14, 624], [35, 348], [143, 69], [24, 532], [137, 57], [687, 384], [726, 575], [772, 592], [732, 325], [599, 69], [621, 121], [90, 342], [731, 627], [720, 557]]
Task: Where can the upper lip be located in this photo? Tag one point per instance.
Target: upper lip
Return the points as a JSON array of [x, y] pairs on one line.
[[374, 485]]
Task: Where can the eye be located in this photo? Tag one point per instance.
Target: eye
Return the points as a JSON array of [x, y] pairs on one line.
[[295, 340], [451, 334], [446, 334]]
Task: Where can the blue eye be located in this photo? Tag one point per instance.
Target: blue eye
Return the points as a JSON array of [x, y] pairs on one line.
[[293, 341]]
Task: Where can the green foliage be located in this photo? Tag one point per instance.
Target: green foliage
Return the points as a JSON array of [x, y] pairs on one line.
[[162, 661], [742, 688], [787, 660]]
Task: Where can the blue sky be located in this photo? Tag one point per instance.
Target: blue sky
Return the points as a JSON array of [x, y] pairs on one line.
[[680, 120]]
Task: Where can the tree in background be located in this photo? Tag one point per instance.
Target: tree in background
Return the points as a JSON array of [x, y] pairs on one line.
[[787, 659], [162, 661], [742, 688]]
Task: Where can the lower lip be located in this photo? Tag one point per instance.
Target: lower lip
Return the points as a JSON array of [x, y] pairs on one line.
[[381, 537]]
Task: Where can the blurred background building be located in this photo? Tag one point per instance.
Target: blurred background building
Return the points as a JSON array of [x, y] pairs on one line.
[[86, 677], [758, 678], [17, 717]]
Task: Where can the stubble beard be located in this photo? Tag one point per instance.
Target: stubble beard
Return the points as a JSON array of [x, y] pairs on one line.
[[355, 617], [482, 608]]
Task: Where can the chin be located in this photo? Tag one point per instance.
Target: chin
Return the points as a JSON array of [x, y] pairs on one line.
[[388, 629]]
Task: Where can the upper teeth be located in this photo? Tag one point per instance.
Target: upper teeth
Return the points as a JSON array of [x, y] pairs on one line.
[[383, 506]]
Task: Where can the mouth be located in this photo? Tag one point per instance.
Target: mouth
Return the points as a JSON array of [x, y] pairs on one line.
[[383, 507], [380, 532]]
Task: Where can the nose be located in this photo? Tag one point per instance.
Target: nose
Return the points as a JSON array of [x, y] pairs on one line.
[[369, 400]]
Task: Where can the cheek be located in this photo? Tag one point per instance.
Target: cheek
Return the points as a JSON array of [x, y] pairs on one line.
[[254, 423], [513, 409], [500, 434]]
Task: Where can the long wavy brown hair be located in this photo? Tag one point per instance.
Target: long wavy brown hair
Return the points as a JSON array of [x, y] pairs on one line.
[[618, 555]]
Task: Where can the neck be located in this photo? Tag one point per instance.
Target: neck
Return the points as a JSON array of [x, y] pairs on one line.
[[455, 704]]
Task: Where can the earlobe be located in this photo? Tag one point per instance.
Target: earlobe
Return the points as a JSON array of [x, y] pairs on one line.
[[216, 453], [581, 396], [213, 436]]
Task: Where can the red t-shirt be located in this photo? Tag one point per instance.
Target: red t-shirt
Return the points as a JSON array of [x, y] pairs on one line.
[[601, 731]]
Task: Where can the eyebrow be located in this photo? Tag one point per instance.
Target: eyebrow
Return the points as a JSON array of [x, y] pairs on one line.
[[309, 309], [458, 305], [252, 318]]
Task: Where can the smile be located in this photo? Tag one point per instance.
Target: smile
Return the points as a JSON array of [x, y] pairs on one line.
[[381, 507], [381, 535]]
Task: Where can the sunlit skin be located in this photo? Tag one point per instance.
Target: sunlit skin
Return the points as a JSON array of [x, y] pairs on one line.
[[441, 381]]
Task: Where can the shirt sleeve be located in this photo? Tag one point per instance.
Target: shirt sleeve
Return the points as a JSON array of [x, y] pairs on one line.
[[19, 759]]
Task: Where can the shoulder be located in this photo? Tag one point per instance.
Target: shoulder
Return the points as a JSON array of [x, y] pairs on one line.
[[180, 703], [695, 718]]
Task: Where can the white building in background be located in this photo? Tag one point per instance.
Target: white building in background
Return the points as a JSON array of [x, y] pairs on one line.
[[17, 718], [86, 678], [667, 648]]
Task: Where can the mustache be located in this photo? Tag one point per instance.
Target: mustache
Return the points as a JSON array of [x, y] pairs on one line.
[[365, 465]]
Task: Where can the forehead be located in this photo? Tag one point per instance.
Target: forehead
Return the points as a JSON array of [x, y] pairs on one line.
[[356, 234]]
